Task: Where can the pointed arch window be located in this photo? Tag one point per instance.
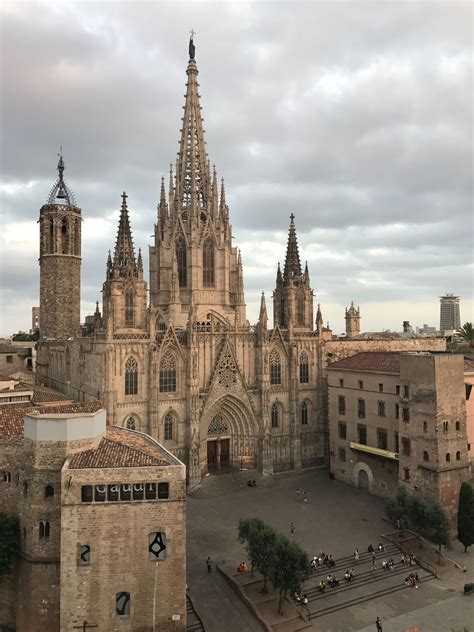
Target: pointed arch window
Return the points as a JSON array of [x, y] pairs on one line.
[[275, 416], [282, 312], [275, 367], [304, 368], [208, 273], [131, 377], [65, 237], [131, 423], [182, 261], [304, 414], [129, 308], [168, 373], [168, 427], [300, 309], [51, 236]]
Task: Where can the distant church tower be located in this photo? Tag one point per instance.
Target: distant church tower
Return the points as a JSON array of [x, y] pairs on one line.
[[60, 262], [293, 296], [352, 321]]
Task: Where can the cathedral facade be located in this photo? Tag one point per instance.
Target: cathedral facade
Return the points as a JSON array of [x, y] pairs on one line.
[[185, 365]]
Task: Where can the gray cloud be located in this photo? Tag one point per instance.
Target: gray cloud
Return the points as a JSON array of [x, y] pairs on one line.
[[355, 116]]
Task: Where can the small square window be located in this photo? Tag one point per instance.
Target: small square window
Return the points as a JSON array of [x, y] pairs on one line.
[[163, 490], [342, 430], [458, 425], [445, 426], [361, 408], [341, 402], [426, 456], [341, 382], [9, 359], [361, 384], [406, 473], [406, 414], [381, 409], [138, 491], [150, 491], [113, 493], [380, 388], [157, 545], [85, 555], [397, 411], [382, 439], [99, 493], [397, 389], [406, 446], [86, 493], [448, 457], [362, 434], [458, 456]]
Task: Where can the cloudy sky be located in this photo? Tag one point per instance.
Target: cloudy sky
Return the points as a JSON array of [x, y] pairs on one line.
[[356, 116]]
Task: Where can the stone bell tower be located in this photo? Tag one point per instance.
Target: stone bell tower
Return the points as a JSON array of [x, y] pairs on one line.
[[352, 317], [60, 262]]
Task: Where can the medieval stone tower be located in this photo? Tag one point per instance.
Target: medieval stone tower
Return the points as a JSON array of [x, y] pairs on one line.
[[60, 262], [352, 321]]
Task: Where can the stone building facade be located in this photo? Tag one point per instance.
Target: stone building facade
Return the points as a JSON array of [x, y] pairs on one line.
[[187, 367], [400, 418], [102, 524]]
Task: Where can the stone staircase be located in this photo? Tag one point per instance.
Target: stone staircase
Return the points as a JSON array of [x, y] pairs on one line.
[[367, 584], [193, 622], [221, 484]]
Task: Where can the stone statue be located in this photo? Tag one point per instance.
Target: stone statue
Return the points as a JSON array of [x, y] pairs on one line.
[[192, 49]]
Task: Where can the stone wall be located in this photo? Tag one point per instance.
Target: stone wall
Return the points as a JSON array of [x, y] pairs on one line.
[[338, 349]]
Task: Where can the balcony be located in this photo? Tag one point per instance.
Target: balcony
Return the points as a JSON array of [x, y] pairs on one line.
[[386, 454]]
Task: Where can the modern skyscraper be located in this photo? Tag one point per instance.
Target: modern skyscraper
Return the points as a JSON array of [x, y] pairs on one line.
[[449, 314]]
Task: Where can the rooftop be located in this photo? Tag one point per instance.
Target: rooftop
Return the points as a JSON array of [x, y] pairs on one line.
[[123, 448], [379, 362]]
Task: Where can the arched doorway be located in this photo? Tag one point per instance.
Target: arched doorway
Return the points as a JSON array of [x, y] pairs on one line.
[[229, 437], [363, 480]]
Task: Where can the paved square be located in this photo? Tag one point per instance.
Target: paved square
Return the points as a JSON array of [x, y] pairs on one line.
[[337, 518]]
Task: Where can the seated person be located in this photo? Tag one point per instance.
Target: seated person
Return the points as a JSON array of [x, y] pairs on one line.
[[347, 576], [297, 597], [384, 565], [331, 561], [322, 585], [249, 484], [242, 567], [335, 582], [381, 547], [329, 580], [370, 548], [254, 483]]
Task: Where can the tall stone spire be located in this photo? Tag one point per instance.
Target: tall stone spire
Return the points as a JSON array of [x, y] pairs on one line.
[[292, 267], [192, 173], [263, 316], [124, 255]]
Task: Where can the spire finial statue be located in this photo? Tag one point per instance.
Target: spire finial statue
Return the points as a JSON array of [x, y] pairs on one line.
[[192, 48]]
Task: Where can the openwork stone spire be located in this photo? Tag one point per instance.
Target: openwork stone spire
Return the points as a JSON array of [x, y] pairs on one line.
[[192, 174], [61, 193], [292, 267], [124, 255]]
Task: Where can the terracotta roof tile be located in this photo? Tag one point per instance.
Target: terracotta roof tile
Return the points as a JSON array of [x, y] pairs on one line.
[[388, 362], [12, 419], [121, 448], [46, 394]]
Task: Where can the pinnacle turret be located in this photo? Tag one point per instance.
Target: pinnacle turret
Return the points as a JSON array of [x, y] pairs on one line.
[[292, 267], [124, 263], [263, 316]]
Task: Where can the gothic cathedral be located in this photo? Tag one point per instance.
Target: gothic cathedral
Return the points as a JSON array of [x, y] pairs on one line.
[[187, 367]]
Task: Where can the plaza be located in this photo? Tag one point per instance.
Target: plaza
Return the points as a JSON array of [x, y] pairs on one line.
[[336, 518]]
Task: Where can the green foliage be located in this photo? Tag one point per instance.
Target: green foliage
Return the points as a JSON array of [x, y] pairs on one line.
[[466, 516], [426, 518], [276, 557], [9, 542], [467, 334], [22, 336]]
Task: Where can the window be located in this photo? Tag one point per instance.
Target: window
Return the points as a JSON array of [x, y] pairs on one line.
[[130, 425], [25, 488], [181, 260], [458, 456], [342, 430], [406, 414], [64, 237], [362, 434], [208, 263], [426, 456], [397, 389], [275, 416], [397, 445], [406, 446], [275, 367], [168, 427], [406, 391], [131, 377], [163, 491], [448, 457], [49, 491], [300, 308], [86, 493], [406, 473], [341, 401], [9, 359], [342, 454], [397, 411], [122, 604], [304, 368], [381, 409], [445, 426], [425, 426], [361, 408], [99, 493], [361, 384], [85, 554], [458, 425], [468, 390], [129, 317], [157, 545], [44, 529], [382, 440], [304, 414], [341, 382], [168, 373], [380, 388]]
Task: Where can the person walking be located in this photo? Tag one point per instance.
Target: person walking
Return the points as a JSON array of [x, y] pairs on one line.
[[209, 565], [304, 604], [305, 496], [374, 557], [297, 493], [356, 555], [378, 623], [292, 529]]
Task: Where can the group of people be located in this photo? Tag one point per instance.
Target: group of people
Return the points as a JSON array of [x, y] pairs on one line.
[[380, 548], [323, 559], [388, 565], [242, 568], [252, 483], [301, 599], [408, 559], [305, 495], [349, 575], [412, 580]]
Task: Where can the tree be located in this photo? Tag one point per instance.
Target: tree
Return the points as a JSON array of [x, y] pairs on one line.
[[436, 526], [260, 538], [467, 334], [22, 337], [290, 568], [9, 542], [397, 507], [466, 516]]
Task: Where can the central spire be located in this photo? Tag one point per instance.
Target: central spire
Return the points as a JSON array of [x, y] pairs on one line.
[[192, 173], [124, 256], [292, 262]]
